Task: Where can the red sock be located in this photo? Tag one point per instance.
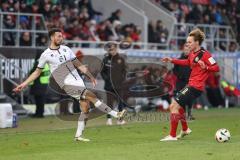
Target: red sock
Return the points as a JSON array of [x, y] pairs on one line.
[[183, 119], [174, 118]]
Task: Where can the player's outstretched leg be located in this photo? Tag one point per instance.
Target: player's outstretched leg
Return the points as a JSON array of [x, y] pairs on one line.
[[102, 106], [82, 120]]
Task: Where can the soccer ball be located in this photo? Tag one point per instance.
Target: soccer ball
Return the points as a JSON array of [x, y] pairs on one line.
[[222, 135]]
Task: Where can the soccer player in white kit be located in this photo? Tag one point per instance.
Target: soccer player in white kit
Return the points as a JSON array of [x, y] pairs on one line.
[[62, 62]]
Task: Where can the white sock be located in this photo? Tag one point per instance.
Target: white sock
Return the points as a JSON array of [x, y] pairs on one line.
[[104, 108], [113, 113], [80, 128], [98, 103]]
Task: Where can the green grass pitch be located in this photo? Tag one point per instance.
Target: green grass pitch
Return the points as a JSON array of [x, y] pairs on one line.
[[52, 139]]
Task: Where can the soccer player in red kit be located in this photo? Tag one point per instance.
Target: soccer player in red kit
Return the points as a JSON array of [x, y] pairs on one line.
[[202, 64]]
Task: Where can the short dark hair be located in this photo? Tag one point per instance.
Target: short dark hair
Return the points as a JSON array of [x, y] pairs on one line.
[[52, 31]]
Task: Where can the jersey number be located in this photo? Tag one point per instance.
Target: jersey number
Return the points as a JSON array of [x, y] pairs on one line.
[[62, 58]]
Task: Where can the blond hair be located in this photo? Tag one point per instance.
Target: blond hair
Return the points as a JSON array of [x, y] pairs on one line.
[[198, 35]]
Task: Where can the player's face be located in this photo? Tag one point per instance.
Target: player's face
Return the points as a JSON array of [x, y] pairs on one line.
[[57, 38], [191, 44]]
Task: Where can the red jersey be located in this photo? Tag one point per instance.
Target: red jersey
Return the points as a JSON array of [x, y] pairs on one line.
[[198, 75]]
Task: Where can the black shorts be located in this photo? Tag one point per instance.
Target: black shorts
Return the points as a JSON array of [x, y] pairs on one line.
[[186, 95]]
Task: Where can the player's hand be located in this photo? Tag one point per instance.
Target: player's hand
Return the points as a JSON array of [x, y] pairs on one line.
[[94, 82], [19, 88], [202, 64], [167, 59]]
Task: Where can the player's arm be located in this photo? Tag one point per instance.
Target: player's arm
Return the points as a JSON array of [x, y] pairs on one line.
[[181, 62], [84, 70], [31, 78], [213, 68], [209, 64]]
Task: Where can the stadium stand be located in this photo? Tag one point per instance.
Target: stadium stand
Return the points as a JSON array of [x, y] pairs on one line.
[[81, 22], [220, 12], [78, 21]]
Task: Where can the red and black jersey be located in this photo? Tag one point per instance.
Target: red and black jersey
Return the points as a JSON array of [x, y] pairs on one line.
[[198, 75]]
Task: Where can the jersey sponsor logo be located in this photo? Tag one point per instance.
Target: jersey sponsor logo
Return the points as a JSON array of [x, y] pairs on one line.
[[211, 60], [119, 61]]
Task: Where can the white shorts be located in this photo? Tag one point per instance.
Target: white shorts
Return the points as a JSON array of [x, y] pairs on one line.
[[74, 86]]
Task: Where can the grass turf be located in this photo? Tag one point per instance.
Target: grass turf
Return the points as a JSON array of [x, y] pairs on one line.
[[51, 138]]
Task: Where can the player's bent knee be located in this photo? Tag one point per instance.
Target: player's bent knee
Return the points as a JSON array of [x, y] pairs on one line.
[[85, 110], [90, 94]]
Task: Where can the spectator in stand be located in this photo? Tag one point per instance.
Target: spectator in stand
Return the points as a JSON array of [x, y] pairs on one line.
[[221, 44], [225, 19], [126, 29], [25, 39], [232, 47], [42, 40], [86, 34], [4, 6], [16, 6], [161, 28], [195, 15], [135, 34], [23, 7], [83, 16], [88, 4], [34, 8], [161, 34], [103, 31], [116, 31], [213, 12], [206, 19], [12, 6], [93, 31], [46, 11], [25, 23], [76, 20], [115, 16], [157, 33], [8, 37], [151, 32]]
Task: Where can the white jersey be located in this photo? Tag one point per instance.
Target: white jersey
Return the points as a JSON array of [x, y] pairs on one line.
[[55, 57]]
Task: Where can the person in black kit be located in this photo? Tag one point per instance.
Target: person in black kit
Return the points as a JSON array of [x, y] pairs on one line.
[[183, 74], [114, 74], [39, 88]]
